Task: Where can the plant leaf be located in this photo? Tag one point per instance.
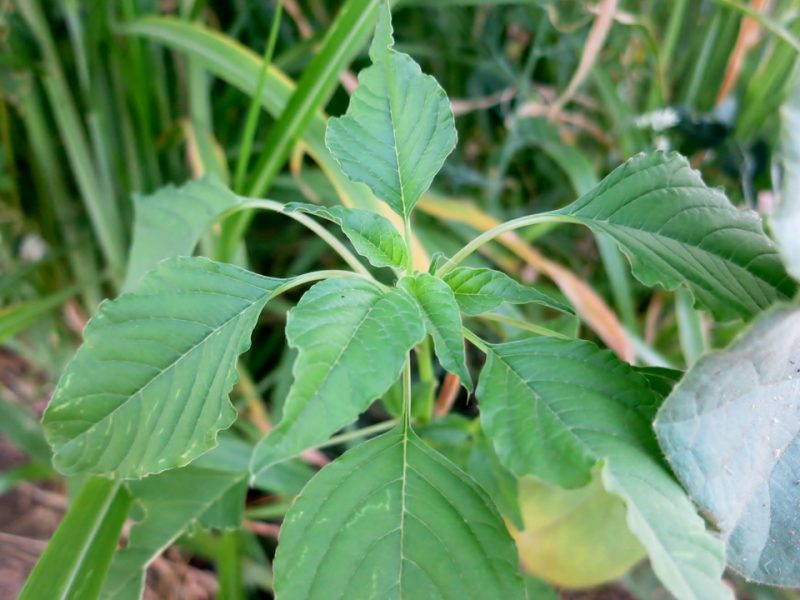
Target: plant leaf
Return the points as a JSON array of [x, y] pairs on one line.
[[480, 290], [394, 519], [170, 222], [399, 126], [556, 408], [568, 533], [148, 389], [373, 236], [442, 322], [172, 502], [731, 433], [342, 330], [77, 558], [786, 219], [676, 230]]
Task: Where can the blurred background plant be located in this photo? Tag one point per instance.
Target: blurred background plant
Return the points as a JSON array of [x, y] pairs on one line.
[[102, 100]]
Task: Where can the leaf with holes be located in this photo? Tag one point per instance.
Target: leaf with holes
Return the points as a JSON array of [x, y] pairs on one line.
[[556, 408], [731, 432], [398, 129], [148, 389], [675, 230], [352, 337], [373, 236], [394, 519]]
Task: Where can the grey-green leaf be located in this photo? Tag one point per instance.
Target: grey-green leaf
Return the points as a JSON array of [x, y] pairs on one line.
[[170, 222], [675, 230], [786, 219], [399, 126], [442, 322], [373, 236], [731, 432], [352, 338], [480, 290], [395, 520], [148, 389], [554, 408]]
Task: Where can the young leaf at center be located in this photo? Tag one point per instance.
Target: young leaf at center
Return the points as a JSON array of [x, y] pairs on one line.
[[398, 129], [442, 320]]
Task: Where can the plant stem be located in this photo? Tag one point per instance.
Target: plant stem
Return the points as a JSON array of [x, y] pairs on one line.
[[475, 340], [489, 235], [407, 394], [324, 234], [310, 277], [524, 325], [255, 103], [357, 434]]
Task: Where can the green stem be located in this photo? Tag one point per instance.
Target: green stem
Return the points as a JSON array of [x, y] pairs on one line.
[[313, 276], [357, 434], [273, 510], [324, 234], [524, 325], [489, 235], [475, 340], [255, 103], [407, 394]]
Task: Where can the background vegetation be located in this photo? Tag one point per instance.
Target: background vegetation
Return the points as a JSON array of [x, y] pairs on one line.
[[105, 99]]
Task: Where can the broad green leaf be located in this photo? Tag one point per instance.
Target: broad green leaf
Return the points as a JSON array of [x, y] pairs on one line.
[[786, 219], [76, 560], [442, 321], [399, 126], [148, 389], [170, 222], [394, 519], [731, 432], [675, 230], [373, 236], [567, 534], [485, 468], [480, 290], [352, 337], [556, 408]]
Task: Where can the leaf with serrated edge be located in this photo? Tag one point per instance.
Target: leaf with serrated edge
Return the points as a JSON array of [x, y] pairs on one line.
[[373, 236], [480, 290], [170, 222], [352, 338], [556, 408], [399, 126], [148, 389], [394, 519], [675, 230], [731, 432], [442, 321]]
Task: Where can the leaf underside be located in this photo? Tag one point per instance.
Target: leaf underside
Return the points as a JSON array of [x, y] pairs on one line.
[[556, 408], [148, 389], [731, 432], [170, 222], [373, 236], [352, 338], [675, 230], [392, 519]]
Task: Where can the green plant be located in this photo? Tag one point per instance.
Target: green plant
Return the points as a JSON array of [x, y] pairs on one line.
[[146, 397]]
